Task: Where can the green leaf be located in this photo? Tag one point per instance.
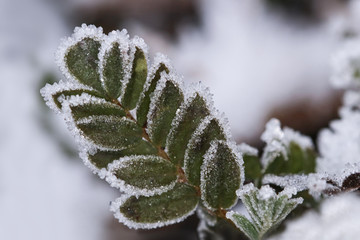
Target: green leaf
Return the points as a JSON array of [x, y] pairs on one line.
[[159, 210], [220, 176], [113, 71], [163, 112], [102, 159], [148, 175], [136, 83], [110, 132], [180, 135], [244, 224], [82, 62], [198, 146], [252, 167], [96, 109], [144, 104], [300, 161]]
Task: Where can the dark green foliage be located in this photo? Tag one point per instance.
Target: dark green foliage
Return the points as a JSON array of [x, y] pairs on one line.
[[113, 72], [253, 167], [246, 226], [299, 161], [144, 104], [114, 132], [146, 172], [136, 82], [170, 205], [82, 62], [220, 178], [183, 131], [96, 109], [101, 159], [168, 103], [198, 147]]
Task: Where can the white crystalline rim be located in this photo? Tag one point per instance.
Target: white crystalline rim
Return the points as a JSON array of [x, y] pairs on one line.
[[209, 155], [127, 188], [85, 31], [84, 155], [266, 192], [135, 42], [49, 90], [164, 77], [291, 135], [248, 150], [123, 39], [115, 208]]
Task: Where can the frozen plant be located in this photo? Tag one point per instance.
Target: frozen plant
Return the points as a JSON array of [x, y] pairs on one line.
[[168, 150]]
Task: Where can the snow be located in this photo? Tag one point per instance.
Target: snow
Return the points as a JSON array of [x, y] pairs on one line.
[[338, 218], [278, 141]]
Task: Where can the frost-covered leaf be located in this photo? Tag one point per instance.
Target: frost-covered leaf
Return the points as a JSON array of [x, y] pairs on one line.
[[82, 61], [266, 209], [244, 224], [96, 109], [135, 85], [101, 159], [209, 130], [189, 118], [221, 175], [110, 132], [151, 212], [286, 151], [163, 110], [142, 175], [113, 62], [161, 66]]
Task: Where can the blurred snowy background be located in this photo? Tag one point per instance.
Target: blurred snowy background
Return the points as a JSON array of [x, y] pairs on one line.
[[260, 58]]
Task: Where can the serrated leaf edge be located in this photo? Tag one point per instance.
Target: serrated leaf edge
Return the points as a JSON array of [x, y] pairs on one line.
[[115, 208]]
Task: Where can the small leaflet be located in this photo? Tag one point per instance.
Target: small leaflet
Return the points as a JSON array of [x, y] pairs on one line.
[[161, 65], [114, 62], [142, 175], [210, 129], [168, 208], [184, 125], [164, 105], [222, 174], [84, 39], [135, 84]]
